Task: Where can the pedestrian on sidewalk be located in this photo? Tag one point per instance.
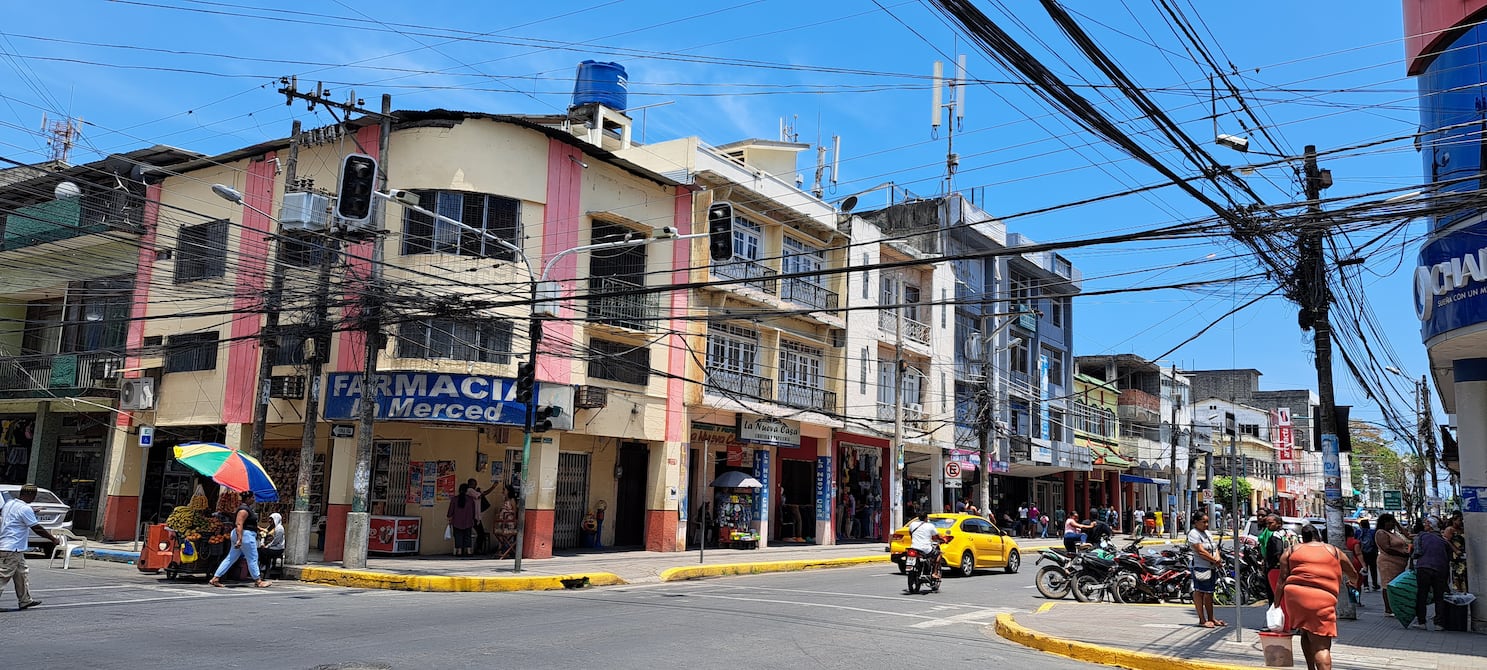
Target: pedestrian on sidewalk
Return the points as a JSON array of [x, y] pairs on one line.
[[1432, 554], [1394, 553], [1138, 522], [462, 514], [1205, 557], [1272, 547], [1367, 542], [17, 520], [244, 543], [1311, 573]]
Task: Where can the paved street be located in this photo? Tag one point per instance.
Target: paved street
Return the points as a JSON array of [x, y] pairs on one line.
[[110, 616]]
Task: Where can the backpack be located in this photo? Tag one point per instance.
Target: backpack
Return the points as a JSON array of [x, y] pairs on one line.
[[1370, 544]]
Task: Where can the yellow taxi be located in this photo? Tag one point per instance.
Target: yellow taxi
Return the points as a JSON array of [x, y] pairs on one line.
[[969, 542]]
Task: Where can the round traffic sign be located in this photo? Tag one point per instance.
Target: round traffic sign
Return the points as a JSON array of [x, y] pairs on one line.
[[952, 469]]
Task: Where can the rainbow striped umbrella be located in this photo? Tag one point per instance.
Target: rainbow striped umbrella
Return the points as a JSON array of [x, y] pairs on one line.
[[228, 467]]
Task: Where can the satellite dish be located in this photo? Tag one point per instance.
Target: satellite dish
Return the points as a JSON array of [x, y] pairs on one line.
[[67, 190], [849, 204]]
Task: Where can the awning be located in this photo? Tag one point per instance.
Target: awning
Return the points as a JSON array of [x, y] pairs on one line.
[[1288, 496], [1137, 479]]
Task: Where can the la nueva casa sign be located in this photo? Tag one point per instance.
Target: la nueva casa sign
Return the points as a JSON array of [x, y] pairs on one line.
[[768, 430], [427, 396]]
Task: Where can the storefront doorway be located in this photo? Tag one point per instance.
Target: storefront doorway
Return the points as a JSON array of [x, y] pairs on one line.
[[632, 469], [797, 504], [571, 500], [860, 492]]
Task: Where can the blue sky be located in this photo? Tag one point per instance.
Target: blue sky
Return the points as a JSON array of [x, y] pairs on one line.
[[201, 75]]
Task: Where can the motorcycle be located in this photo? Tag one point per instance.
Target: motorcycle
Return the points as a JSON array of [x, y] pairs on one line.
[[1053, 579], [1253, 587], [1092, 575], [1153, 578], [920, 568]]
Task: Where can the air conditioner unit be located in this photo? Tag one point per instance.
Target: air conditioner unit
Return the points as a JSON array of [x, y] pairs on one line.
[[287, 386], [590, 397], [137, 393]]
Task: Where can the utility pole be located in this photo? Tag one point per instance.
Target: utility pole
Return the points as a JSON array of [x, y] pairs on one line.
[[986, 423], [302, 518], [1172, 486], [895, 496], [1316, 300], [358, 518]]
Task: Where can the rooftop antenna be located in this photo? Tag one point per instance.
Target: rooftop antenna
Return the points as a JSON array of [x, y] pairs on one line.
[[819, 189], [787, 129], [956, 106], [61, 135]]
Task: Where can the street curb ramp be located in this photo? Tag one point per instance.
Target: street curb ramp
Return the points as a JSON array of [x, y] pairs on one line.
[[1008, 628], [443, 583], [731, 569]]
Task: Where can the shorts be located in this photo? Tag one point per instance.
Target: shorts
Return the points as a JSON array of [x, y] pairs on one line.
[[1204, 579]]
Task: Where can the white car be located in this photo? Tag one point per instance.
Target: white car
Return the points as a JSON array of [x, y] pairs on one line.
[[50, 511]]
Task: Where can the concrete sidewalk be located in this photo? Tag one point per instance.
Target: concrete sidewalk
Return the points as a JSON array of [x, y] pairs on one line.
[[576, 569], [1166, 637]]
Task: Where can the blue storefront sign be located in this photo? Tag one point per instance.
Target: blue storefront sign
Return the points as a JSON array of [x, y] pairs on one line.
[[761, 501], [1451, 281], [427, 396], [824, 482]]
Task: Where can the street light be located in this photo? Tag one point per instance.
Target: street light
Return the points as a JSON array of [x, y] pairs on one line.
[[1422, 446]]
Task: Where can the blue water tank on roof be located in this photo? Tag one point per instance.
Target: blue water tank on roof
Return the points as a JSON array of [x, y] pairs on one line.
[[604, 83]]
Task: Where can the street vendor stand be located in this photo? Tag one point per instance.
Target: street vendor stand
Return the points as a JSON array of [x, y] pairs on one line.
[[733, 508]]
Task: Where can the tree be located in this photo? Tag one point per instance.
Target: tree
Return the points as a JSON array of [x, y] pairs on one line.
[[1223, 494], [1375, 456]]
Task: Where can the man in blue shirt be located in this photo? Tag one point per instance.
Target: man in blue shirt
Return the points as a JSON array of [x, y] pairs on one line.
[[17, 520]]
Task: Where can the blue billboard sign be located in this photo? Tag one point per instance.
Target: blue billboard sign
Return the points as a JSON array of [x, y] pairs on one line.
[[824, 485], [1451, 281], [427, 396]]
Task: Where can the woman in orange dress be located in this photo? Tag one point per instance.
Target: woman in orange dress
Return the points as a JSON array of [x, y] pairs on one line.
[[1310, 577]]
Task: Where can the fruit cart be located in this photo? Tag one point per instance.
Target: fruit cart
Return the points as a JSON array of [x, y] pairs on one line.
[[195, 557]]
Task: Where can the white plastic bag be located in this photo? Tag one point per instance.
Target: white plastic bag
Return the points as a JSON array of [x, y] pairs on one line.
[[1275, 618], [448, 532]]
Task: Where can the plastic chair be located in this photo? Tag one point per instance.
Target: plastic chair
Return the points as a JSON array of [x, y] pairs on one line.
[[69, 541]]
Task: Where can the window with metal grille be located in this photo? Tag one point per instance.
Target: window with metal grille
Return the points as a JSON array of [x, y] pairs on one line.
[[201, 252], [291, 347], [484, 340], [617, 361], [489, 216], [191, 352]]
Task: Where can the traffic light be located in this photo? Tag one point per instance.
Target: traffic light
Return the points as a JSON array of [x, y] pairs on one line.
[[358, 181], [526, 382], [720, 230], [542, 417]]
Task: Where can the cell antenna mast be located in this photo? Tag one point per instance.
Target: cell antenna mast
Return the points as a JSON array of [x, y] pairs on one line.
[[957, 110]]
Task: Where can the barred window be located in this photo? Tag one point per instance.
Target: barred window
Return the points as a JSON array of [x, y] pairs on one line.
[[191, 352], [490, 216], [201, 252], [617, 361], [484, 340]]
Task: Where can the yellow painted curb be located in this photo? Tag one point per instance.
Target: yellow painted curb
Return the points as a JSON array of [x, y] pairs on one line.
[[1007, 627], [446, 583], [727, 569]]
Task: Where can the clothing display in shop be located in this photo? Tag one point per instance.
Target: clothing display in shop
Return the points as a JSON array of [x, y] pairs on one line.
[[15, 436]]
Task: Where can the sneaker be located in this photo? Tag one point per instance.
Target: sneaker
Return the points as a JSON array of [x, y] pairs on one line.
[[29, 604]]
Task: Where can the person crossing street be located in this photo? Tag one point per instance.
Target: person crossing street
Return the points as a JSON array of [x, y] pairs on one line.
[[17, 521]]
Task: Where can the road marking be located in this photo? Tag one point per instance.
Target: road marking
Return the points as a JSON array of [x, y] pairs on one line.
[[897, 598], [1045, 607], [86, 588], [977, 617]]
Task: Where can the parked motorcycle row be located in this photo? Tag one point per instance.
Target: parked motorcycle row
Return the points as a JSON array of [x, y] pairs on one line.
[[1131, 574]]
